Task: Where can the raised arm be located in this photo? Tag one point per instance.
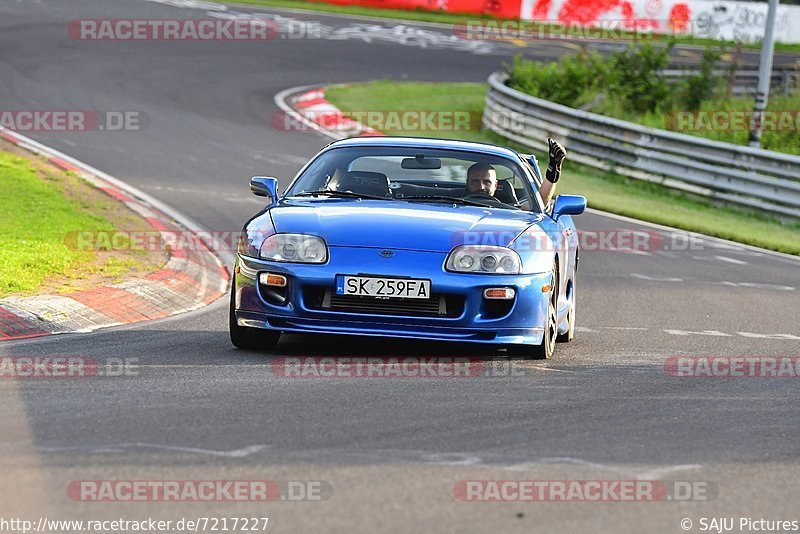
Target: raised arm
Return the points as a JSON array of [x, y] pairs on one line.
[[557, 154]]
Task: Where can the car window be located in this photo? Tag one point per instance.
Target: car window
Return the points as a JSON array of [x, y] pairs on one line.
[[452, 170], [401, 173]]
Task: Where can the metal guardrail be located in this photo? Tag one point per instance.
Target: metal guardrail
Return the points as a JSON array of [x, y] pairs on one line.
[[745, 82], [739, 174]]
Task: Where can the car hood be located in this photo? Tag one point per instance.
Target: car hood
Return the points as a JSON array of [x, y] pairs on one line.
[[399, 224]]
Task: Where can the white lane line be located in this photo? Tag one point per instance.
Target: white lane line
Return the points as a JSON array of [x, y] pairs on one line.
[[120, 447], [705, 238], [452, 459], [716, 333], [281, 159], [553, 369], [659, 472], [755, 285], [656, 278], [735, 249], [639, 473], [249, 200], [766, 286], [525, 466], [769, 336], [236, 453], [676, 332], [725, 246], [727, 283], [192, 4], [731, 260]]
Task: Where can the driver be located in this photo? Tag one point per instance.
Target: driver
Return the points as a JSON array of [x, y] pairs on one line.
[[482, 178]]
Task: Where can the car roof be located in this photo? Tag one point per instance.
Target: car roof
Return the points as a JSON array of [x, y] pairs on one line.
[[426, 142]]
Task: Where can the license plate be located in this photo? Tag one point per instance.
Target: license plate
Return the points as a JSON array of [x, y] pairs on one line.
[[367, 286]]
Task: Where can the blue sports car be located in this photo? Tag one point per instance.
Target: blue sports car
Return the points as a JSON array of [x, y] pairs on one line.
[[384, 236]]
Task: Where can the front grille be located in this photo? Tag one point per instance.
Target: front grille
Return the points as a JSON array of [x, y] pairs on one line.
[[436, 306], [432, 306]]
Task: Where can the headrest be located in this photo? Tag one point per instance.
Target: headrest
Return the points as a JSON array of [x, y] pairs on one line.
[[364, 182], [505, 193]]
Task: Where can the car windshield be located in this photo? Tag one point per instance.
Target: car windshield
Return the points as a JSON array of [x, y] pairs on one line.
[[413, 174]]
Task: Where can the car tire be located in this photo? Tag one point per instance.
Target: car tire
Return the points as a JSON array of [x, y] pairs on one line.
[[247, 338], [546, 348], [569, 335]]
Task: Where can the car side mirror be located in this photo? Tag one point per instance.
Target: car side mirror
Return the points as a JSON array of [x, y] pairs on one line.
[[265, 186], [569, 205]]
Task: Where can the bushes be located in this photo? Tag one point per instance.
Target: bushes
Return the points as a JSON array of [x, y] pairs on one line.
[[629, 78], [634, 78], [564, 82], [632, 88], [702, 86]]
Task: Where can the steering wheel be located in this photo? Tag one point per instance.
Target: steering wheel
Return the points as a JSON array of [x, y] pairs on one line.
[[481, 195]]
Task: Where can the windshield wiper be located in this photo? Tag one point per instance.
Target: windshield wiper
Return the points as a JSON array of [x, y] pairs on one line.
[[453, 200], [338, 194]]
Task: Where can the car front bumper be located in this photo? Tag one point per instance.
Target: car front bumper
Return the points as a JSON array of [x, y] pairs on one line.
[[469, 316]]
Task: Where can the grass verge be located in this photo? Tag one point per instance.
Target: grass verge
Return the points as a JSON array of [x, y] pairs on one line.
[[607, 192], [442, 17], [42, 206], [780, 132]]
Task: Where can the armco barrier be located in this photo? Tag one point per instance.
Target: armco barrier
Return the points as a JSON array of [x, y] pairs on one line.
[[784, 80], [739, 174]]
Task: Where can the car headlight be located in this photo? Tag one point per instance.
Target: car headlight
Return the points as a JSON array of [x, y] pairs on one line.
[[250, 242], [296, 248], [483, 259]]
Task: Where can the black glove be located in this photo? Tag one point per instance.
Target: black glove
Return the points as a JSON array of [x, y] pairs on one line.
[[557, 155]]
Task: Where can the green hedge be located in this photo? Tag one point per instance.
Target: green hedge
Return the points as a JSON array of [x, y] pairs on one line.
[[629, 85]]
